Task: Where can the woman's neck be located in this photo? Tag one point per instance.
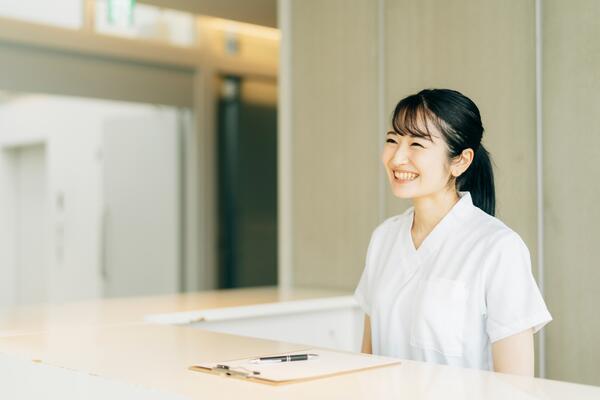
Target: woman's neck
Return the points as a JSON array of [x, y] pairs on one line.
[[429, 211]]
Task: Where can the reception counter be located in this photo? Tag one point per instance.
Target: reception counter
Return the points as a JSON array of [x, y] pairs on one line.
[[109, 349]]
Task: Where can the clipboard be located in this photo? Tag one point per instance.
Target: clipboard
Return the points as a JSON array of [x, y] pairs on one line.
[[329, 363]]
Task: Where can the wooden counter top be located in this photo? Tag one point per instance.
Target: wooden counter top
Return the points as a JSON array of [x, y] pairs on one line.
[[109, 312], [108, 352], [156, 358]]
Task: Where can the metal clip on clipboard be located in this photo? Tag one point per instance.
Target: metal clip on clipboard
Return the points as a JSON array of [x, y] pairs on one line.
[[239, 372]]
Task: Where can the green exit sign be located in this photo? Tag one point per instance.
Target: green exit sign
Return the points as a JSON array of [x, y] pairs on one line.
[[120, 12]]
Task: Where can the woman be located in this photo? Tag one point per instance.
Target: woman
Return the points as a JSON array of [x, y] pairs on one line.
[[446, 281]]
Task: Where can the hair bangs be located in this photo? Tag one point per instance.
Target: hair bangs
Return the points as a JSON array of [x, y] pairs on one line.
[[412, 117]]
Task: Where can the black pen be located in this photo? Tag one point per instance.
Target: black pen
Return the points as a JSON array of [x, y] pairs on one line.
[[288, 358]]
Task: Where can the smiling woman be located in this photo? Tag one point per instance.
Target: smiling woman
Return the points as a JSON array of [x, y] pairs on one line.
[[449, 126], [446, 281]]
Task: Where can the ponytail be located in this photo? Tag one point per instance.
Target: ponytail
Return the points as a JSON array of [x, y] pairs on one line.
[[478, 179]]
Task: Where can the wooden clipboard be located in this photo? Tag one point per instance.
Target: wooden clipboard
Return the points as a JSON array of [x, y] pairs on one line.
[[330, 363]]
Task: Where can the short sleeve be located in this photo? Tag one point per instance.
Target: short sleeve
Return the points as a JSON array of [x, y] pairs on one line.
[[363, 293], [513, 300]]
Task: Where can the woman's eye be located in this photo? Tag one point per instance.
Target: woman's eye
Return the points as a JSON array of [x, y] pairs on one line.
[[390, 141], [417, 144]]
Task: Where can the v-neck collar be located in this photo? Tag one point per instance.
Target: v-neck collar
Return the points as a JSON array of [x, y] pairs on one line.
[[436, 237]]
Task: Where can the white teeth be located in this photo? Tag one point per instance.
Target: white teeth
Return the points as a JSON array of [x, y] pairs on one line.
[[405, 176]]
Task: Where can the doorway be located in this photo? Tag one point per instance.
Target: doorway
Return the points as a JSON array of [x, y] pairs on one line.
[[247, 182]]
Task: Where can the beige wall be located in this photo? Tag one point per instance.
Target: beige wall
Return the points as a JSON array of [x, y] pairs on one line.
[[334, 150], [335, 130], [571, 84], [487, 50]]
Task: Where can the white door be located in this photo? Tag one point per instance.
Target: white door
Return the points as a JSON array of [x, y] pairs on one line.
[[142, 223], [31, 229]]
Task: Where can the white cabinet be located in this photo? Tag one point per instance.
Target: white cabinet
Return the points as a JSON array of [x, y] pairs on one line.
[[141, 228], [90, 199]]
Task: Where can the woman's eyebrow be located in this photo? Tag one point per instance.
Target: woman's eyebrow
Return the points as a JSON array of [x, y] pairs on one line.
[[391, 133], [427, 139]]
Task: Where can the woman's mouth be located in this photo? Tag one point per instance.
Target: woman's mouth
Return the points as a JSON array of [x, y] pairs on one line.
[[404, 176]]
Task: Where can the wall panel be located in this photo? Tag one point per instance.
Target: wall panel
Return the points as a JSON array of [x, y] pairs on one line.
[[571, 87], [334, 193], [485, 50]]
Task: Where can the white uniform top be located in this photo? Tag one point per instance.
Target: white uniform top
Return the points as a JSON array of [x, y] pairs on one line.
[[468, 285]]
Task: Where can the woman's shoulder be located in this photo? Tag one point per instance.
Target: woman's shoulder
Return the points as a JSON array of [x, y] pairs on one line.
[[493, 232]]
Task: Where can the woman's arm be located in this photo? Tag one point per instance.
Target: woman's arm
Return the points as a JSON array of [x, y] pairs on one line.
[[366, 343], [514, 354]]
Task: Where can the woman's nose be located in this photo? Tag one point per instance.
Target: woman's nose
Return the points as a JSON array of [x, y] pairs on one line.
[[400, 156]]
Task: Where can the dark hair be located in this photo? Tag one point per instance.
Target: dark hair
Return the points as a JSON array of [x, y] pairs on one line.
[[459, 121]]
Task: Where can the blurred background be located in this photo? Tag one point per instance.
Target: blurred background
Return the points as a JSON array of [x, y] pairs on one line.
[[167, 146]]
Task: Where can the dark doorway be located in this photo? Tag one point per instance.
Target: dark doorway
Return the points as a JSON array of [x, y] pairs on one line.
[[247, 182]]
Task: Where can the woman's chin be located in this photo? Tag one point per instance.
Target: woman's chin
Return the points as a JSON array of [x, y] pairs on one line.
[[403, 193]]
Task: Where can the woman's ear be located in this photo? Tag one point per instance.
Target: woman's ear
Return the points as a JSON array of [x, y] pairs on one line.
[[462, 162]]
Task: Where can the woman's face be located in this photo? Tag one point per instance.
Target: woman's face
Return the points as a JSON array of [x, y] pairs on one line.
[[416, 167]]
